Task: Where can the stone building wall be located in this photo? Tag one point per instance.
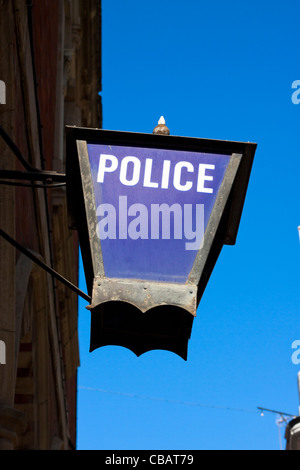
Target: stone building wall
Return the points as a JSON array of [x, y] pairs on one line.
[[50, 63]]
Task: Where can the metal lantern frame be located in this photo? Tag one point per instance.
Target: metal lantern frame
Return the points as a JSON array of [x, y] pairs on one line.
[[222, 227]]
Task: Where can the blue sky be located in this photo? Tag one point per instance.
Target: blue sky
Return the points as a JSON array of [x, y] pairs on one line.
[[220, 70]]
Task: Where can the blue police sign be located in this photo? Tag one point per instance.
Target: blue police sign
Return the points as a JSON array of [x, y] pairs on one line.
[[152, 208], [153, 213]]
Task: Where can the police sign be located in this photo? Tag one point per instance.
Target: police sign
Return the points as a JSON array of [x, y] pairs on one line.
[[152, 213]]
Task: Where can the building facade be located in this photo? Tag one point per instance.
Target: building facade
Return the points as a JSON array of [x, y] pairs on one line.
[[50, 72]]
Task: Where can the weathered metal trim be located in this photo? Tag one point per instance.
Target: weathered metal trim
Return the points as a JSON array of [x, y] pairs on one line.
[[90, 207], [144, 294], [215, 217]]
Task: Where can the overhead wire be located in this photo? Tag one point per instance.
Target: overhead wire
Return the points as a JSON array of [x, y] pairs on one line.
[[166, 400]]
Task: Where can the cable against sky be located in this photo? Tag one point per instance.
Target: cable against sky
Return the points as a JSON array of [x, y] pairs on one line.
[[166, 400]]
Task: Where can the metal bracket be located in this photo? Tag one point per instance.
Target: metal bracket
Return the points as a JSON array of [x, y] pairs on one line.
[[44, 266], [32, 173], [48, 177]]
